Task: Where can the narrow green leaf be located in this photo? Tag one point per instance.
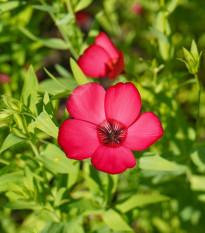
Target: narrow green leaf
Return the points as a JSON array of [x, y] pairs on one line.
[[10, 141], [54, 88], [55, 160], [62, 71], [160, 35], [115, 221], [157, 163], [139, 200], [44, 8], [45, 124], [189, 58], [53, 43], [10, 5], [21, 205], [59, 196], [172, 6], [65, 20], [29, 92], [77, 72], [82, 5], [194, 50], [55, 79]]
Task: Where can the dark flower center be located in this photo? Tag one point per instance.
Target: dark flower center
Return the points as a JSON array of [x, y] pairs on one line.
[[111, 133]]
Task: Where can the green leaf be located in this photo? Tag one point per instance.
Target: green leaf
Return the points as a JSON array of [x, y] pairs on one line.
[[77, 72], [62, 71], [160, 35], [53, 87], [54, 227], [10, 5], [21, 205], [45, 124], [194, 50], [55, 79], [10, 178], [157, 163], [139, 200], [172, 6], [82, 5], [198, 157], [197, 183], [10, 141], [55, 160], [44, 8], [53, 43], [29, 92], [65, 20], [59, 196], [189, 58], [115, 221]]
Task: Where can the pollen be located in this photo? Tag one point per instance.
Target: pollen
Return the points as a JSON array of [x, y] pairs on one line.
[[111, 133]]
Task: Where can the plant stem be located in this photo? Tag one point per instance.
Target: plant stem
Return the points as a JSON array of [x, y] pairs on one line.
[[198, 106]]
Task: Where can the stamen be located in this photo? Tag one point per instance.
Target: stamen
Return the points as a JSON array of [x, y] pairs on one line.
[[112, 133]]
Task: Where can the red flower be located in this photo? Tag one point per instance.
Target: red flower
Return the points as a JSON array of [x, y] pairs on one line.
[[4, 78], [82, 18], [107, 126], [136, 8], [102, 59]]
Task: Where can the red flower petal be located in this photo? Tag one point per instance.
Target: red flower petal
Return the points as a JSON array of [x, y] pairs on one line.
[[78, 139], [87, 103], [118, 67], [122, 103], [103, 41], [144, 132], [113, 160], [94, 61]]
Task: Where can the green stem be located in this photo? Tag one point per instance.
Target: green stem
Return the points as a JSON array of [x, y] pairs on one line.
[[34, 148], [198, 106], [155, 79]]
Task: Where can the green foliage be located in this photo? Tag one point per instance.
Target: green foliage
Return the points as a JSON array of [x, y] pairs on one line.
[[41, 190], [77, 72]]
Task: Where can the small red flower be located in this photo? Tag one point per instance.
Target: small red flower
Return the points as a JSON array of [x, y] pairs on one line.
[[82, 18], [136, 8], [4, 78], [102, 59], [107, 126]]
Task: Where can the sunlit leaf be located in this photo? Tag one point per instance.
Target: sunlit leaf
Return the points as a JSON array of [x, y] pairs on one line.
[[77, 72], [45, 124], [10, 178], [198, 157], [29, 92], [139, 200], [10, 141], [55, 159], [10, 5], [115, 221], [44, 8], [157, 163], [82, 4], [197, 183], [54, 43]]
